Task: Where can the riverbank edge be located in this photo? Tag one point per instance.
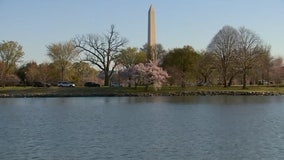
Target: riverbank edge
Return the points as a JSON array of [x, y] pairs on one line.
[[144, 94]]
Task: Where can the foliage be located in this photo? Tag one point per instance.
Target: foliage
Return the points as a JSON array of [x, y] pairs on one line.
[[82, 72], [102, 50], [44, 75], [126, 60], [205, 67], [32, 72], [149, 74], [277, 70], [10, 53], [62, 54], [180, 63], [130, 57], [78, 72], [232, 57], [158, 49]]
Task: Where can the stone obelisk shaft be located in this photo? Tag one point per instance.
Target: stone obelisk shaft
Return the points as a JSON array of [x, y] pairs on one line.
[[151, 34]]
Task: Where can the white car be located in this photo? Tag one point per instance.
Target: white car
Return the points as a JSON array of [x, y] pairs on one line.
[[115, 84], [65, 84]]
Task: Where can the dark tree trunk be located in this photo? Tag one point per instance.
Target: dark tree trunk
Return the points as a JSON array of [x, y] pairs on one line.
[[230, 81], [107, 78], [244, 80], [129, 81], [224, 81]]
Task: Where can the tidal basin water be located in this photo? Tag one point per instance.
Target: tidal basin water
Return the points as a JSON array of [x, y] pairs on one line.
[[142, 128]]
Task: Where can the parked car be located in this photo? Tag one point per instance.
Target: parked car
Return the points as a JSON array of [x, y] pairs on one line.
[[65, 84], [115, 84], [263, 82], [40, 84], [91, 84]]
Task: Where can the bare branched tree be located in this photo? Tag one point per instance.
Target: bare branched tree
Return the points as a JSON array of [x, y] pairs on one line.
[[224, 46], [249, 50], [102, 50], [237, 52]]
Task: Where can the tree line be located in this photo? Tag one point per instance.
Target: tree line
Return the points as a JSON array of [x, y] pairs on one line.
[[234, 56]]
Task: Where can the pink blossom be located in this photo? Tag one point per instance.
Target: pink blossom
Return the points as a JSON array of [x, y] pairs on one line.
[[150, 74]]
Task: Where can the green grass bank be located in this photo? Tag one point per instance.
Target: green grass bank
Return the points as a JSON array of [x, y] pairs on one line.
[[139, 91]]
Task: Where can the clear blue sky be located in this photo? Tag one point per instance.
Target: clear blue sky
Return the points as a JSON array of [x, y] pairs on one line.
[[37, 23]]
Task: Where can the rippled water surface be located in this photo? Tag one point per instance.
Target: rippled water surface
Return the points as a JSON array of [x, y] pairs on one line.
[[218, 127]]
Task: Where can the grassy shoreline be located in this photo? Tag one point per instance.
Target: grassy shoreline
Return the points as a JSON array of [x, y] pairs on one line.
[[140, 91]]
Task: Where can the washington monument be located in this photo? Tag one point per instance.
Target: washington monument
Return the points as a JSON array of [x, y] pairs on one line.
[[151, 35]]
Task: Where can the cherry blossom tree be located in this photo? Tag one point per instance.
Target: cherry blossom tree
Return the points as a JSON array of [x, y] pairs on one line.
[[149, 74]]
